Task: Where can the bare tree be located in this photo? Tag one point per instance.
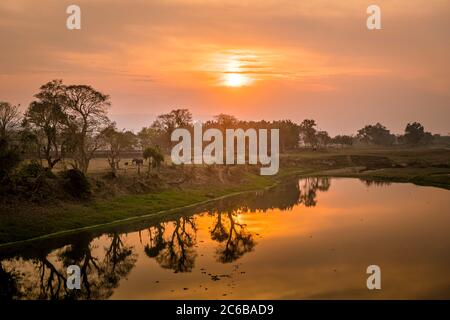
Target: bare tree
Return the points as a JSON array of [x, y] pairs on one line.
[[117, 142], [9, 118], [87, 117]]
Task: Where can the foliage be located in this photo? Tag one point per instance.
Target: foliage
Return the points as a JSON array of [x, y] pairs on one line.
[[117, 142], [343, 140], [46, 120], [376, 134], [154, 156], [9, 158], [415, 134], [308, 132], [164, 125], [34, 170], [323, 139], [75, 183]]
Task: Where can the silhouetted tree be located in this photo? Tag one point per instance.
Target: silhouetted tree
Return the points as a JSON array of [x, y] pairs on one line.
[[376, 134], [87, 117], [343, 140], [308, 132], [154, 156], [415, 134], [166, 123], [116, 143], [323, 139], [149, 136], [289, 134], [10, 157], [9, 118], [46, 120], [225, 121]]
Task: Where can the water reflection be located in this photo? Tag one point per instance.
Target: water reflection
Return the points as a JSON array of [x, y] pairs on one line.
[[210, 237], [173, 246], [170, 243], [308, 190], [234, 240], [43, 276]]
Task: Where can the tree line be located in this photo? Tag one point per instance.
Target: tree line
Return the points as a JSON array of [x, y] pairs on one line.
[[70, 122]]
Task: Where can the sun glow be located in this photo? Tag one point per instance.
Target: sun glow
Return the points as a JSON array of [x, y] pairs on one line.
[[236, 80]]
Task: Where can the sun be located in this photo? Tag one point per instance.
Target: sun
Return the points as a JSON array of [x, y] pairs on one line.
[[236, 80]]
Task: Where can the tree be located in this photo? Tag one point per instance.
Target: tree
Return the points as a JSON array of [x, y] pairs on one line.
[[225, 121], [46, 119], [415, 134], [87, 117], [166, 123], [9, 118], [117, 142], [9, 159], [289, 134], [323, 138], [343, 140], [308, 132], [148, 136], [178, 118], [376, 134], [154, 156]]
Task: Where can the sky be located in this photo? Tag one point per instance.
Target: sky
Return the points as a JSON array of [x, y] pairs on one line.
[[255, 59]]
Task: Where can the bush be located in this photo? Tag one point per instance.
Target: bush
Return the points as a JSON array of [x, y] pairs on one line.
[[110, 175], [9, 158], [34, 170], [76, 184]]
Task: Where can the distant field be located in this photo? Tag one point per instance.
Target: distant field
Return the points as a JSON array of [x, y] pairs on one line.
[[427, 156], [100, 165]]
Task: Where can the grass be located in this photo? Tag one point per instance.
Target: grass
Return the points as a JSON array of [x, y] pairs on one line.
[[26, 224], [423, 167]]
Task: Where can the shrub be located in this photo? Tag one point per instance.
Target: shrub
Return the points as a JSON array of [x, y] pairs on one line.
[[76, 184], [34, 170], [9, 158], [110, 175]]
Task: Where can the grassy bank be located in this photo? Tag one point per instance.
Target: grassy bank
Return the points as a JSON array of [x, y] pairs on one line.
[[426, 167], [21, 221], [27, 221]]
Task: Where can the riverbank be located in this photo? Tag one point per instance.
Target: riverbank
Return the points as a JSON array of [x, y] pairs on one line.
[[21, 221]]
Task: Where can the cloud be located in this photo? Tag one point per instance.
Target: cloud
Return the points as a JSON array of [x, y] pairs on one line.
[[152, 53]]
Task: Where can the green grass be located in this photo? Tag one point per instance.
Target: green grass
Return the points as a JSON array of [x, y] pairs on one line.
[[422, 167], [26, 224]]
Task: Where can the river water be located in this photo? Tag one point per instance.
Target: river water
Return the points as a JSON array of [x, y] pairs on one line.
[[305, 239]]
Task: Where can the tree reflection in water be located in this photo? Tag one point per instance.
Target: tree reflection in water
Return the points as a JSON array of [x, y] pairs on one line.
[[308, 188], [172, 244], [173, 247], [234, 240], [9, 284], [44, 275]]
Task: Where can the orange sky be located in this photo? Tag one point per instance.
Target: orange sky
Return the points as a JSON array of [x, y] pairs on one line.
[[267, 59]]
